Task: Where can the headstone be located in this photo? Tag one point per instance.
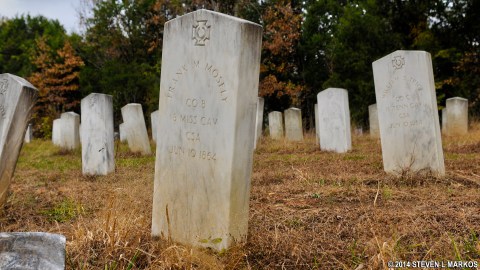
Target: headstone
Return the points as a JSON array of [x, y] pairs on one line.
[[293, 124], [69, 134], [407, 113], [28, 134], [154, 117], [334, 120], [17, 97], [373, 121], [98, 156], [259, 120], [136, 130], [275, 125], [208, 100], [444, 121], [122, 131], [317, 127], [358, 131], [457, 116], [32, 250], [56, 129]]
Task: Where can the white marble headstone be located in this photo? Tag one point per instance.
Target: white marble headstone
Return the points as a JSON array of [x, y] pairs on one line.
[[122, 132], [259, 120], [154, 118], [69, 130], [135, 129], [98, 156], [407, 113], [56, 131], [17, 97], [293, 124], [373, 121], [32, 251], [457, 116], [208, 101], [28, 134], [317, 124], [334, 120], [275, 125], [444, 121]]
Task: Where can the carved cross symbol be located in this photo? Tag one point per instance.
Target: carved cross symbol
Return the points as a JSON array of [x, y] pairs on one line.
[[398, 62], [3, 86], [201, 32]]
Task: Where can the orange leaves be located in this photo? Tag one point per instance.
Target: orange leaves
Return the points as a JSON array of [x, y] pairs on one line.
[[279, 66]]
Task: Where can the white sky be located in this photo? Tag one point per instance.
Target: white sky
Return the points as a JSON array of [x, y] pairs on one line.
[[62, 10]]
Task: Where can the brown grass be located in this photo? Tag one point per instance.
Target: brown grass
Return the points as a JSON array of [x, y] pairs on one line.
[[309, 209]]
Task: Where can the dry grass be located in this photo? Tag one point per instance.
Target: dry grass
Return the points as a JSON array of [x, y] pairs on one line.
[[309, 209]]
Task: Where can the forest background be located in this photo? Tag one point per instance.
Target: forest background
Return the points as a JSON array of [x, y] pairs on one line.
[[307, 47]]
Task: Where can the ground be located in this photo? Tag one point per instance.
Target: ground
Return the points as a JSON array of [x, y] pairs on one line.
[[308, 209]]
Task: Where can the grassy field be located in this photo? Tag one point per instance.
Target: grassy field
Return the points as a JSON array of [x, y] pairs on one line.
[[308, 210]]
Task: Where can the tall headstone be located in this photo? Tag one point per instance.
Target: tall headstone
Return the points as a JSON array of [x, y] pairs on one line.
[[407, 113], [98, 156], [208, 100], [275, 125], [56, 131], [17, 97], [136, 130], [457, 116], [373, 121], [334, 120], [444, 121], [154, 118], [69, 130], [28, 134], [122, 132], [259, 120], [32, 250], [317, 127], [293, 124]]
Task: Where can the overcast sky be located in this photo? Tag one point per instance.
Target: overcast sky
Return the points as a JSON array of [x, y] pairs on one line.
[[62, 10]]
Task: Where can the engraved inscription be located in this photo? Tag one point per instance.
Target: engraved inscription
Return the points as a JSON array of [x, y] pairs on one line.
[[211, 70], [3, 86], [201, 32], [92, 101], [192, 153], [3, 90]]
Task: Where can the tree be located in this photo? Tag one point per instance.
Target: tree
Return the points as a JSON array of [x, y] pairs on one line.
[[57, 79]]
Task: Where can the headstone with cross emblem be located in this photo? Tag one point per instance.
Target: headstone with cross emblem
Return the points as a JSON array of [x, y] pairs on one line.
[[17, 97], [407, 113], [98, 156], [208, 102]]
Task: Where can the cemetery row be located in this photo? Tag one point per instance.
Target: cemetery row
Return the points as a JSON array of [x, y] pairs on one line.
[[209, 106]]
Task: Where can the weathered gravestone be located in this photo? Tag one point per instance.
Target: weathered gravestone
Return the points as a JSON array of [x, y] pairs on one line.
[[28, 134], [97, 125], [457, 116], [317, 130], [208, 88], [259, 120], [122, 131], [373, 121], [407, 113], [293, 124], [69, 130], [17, 97], [32, 251], [334, 120], [135, 129], [275, 125], [56, 131], [444, 121], [154, 118]]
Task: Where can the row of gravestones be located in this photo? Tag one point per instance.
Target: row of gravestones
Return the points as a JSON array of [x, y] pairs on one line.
[[208, 101]]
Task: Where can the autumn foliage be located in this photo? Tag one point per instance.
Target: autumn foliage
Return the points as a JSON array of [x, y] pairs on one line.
[[57, 79], [279, 66]]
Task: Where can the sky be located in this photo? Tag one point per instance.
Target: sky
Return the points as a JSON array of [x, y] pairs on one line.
[[62, 10]]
